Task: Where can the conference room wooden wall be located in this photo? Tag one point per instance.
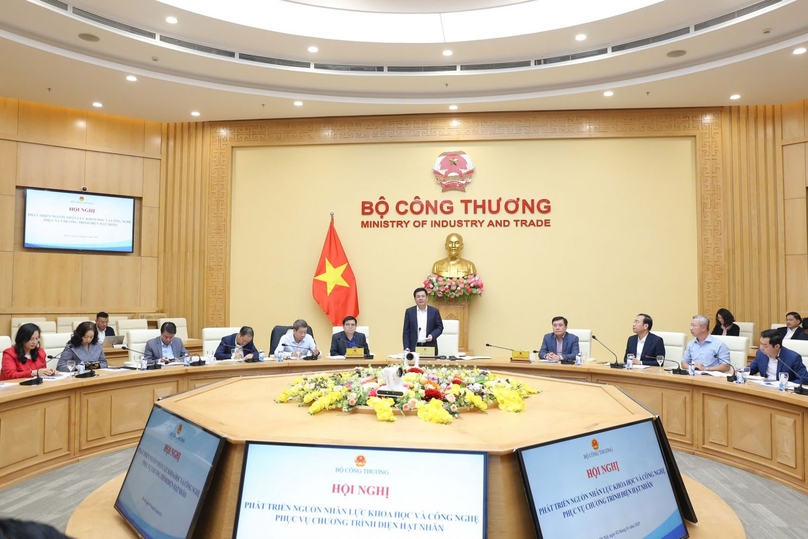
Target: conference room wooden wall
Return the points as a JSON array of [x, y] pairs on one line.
[[58, 148]]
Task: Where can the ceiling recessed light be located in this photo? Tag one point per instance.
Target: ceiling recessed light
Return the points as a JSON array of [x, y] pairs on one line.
[[131, 78], [298, 103], [171, 20], [608, 93], [97, 105], [194, 113], [580, 37], [452, 107], [676, 54], [800, 50], [447, 52], [313, 49], [89, 37], [735, 96]]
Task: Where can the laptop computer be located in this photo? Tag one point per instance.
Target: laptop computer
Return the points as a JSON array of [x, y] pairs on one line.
[[110, 342]]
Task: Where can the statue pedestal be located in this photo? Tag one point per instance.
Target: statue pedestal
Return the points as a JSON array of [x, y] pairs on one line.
[[456, 309]]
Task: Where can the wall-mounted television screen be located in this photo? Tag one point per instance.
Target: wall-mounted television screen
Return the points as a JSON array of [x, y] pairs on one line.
[[292, 491], [169, 476], [78, 221], [608, 483]]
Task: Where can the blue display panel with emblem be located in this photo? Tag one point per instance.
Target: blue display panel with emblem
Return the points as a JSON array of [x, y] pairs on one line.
[[293, 491], [169, 476], [604, 484]]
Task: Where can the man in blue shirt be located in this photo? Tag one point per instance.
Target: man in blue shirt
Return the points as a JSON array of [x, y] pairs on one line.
[[705, 352]]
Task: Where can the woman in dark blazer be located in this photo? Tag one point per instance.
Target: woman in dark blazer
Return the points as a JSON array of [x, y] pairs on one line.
[[83, 348], [725, 324], [25, 359]]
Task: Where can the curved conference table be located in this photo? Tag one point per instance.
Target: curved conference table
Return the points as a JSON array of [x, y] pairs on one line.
[[755, 428]]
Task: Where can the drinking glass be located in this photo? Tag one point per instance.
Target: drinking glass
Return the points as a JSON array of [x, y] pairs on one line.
[[629, 361], [71, 364], [661, 360], [784, 381]]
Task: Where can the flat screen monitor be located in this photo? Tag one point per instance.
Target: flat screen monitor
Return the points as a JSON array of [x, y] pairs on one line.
[[168, 478], [78, 221], [608, 483], [291, 491]]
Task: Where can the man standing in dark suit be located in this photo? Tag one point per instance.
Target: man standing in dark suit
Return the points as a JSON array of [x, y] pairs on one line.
[[422, 323], [348, 338], [793, 329], [643, 344]]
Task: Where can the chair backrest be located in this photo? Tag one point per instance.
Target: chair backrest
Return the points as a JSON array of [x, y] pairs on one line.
[[674, 344], [48, 326], [738, 349], [17, 321], [113, 322], [449, 340], [801, 347], [211, 337], [5, 342], [747, 330], [127, 324], [584, 340], [136, 340], [775, 326], [68, 323], [54, 343], [182, 326], [364, 330], [277, 333]]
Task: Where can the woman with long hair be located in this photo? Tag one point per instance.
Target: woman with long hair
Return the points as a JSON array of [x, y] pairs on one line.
[[725, 324], [25, 359]]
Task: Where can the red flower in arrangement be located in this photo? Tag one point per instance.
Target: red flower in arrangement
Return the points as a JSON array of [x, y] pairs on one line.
[[372, 392], [415, 369], [457, 381], [432, 393]]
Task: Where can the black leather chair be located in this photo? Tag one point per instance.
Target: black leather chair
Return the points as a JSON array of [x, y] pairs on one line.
[[277, 333]]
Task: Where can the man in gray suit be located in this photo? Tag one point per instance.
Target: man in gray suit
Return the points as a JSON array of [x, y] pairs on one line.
[[166, 347]]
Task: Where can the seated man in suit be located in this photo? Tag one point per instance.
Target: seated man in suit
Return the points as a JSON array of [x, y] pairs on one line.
[[243, 339], [166, 347], [766, 360], [793, 329], [348, 338], [559, 345], [299, 342], [102, 323], [644, 345], [422, 324]]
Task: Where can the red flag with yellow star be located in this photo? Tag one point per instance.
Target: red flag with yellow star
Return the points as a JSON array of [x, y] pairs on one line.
[[334, 284]]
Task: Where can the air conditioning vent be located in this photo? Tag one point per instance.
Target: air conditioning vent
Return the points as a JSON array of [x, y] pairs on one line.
[[197, 47], [273, 61], [588, 54], [553, 60], [345, 67], [495, 66], [113, 24], [420, 69], [55, 3], [651, 40], [735, 14]]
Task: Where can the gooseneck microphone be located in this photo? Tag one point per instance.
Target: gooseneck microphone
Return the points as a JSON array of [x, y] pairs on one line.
[[57, 356], [500, 347], [149, 367], [614, 365]]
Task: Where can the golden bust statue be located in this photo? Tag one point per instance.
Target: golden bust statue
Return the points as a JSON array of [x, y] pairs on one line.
[[453, 265]]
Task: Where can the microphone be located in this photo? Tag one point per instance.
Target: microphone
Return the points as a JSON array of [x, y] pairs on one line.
[[732, 377], [614, 365], [151, 366], [33, 381], [500, 347], [678, 369], [133, 350], [799, 390], [57, 356]]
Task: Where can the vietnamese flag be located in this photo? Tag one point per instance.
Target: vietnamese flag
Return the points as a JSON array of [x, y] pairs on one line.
[[334, 284]]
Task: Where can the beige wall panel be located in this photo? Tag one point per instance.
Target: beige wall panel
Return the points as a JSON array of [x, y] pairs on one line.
[[6, 280], [794, 170], [794, 120], [19, 219], [48, 123], [151, 183], [8, 167], [9, 111], [49, 166], [796, 232], [110, 282], [148, 283], [7, 204], [45, 280], [114, 174], [153, 138], [21, 434], [149, 231], [115, 132], [797, 283]]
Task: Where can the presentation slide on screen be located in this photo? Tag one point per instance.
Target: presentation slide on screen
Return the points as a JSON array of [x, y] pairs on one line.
[[163, 487], [300, 491], [58, 220], [608, 485]]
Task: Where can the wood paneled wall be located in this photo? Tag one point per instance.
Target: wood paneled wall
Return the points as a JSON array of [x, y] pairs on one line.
[[794, 146], [58, 148]]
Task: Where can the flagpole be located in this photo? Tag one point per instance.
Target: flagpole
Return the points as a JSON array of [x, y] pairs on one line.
[[332, 215]]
